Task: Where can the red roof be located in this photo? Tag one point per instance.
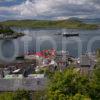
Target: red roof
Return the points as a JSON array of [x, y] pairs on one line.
[[46, 53], [39, 54]]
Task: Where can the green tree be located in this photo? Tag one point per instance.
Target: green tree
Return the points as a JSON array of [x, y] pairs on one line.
[[18, 95], [66, 84], [95, 83], [79, 97], [6, 96], [22, 95]]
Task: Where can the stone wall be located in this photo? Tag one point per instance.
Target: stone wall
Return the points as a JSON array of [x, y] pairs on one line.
[[32, 84]]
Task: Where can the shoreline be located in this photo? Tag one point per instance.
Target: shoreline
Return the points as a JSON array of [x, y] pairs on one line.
[[8, 33]]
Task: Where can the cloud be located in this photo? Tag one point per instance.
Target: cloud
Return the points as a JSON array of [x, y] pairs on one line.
[[54, 9]]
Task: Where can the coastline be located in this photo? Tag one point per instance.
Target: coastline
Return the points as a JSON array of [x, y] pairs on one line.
[[8, 33]]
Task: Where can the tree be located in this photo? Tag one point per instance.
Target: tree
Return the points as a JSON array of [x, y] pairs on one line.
[[79, 97], [95, 83], [17, 95], [21, 95], [6, 96], [67, 84]]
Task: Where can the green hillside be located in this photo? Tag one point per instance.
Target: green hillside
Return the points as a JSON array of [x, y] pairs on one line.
[[71, 24]]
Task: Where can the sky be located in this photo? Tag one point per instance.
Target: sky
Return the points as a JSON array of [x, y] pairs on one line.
[[49, 9]]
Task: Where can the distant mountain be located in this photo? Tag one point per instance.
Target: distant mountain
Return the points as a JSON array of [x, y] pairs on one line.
[[92, 21], [86, 20], [75, 19]]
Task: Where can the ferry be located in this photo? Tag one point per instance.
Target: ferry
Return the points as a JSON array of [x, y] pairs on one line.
[[65, 34], [70, 34]]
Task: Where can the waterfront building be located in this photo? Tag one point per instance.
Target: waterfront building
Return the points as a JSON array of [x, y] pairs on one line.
[[87, 63]]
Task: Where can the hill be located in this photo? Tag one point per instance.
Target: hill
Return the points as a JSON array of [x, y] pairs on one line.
[[70, 24]]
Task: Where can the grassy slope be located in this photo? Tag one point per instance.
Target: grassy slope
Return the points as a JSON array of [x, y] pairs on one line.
[[49, 24]]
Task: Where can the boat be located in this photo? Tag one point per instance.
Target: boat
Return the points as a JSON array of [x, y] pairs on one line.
[[69, 34]]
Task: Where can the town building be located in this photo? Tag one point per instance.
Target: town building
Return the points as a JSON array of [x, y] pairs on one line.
[[87, 63]]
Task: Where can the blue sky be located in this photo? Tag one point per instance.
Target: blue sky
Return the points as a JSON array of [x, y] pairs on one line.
[[49, 9], [10, 2]]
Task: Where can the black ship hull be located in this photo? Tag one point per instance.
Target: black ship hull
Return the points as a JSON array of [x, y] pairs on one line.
[[70, 35]]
